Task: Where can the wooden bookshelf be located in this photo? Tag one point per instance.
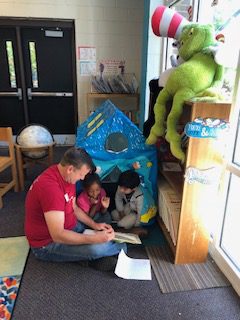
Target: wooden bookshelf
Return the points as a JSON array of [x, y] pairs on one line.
[[121, 98], [202, 153], [175, 179], [112, 95], [167, 235]]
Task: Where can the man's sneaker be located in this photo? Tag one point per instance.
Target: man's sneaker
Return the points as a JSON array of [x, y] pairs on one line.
[[104, 264]]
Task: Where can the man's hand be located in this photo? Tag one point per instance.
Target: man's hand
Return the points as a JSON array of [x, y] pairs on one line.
[[105, 235], [55, 223], [105, 201], [102, 226]]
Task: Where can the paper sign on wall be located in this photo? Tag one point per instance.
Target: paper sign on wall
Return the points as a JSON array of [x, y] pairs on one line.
[[87, 68], [112, 66], [86, 53], [87, 57]]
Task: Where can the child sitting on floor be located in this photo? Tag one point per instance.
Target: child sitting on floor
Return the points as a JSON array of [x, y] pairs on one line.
[[128, 200], [93, 201]]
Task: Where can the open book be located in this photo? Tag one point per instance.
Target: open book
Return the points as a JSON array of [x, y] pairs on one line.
[[127, 237], [120, 237]]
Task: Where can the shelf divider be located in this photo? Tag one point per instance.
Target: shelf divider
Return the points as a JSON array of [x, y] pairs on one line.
[[167, 235], [175, 179]]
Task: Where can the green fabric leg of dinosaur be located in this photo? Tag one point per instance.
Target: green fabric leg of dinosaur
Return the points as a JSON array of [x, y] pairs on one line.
[[172, 136], [158, 129]]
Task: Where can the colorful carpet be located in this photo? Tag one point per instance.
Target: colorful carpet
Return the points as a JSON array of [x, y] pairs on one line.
[[8, 294], [13, 253], [173, 278]]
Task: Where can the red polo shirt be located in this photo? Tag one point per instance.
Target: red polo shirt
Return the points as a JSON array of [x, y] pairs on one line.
[[49, 192]]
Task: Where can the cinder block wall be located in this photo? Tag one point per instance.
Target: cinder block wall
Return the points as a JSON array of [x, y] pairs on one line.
[[114, 27]]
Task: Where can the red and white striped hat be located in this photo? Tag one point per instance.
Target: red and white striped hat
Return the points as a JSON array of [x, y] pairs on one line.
[[167, 22]]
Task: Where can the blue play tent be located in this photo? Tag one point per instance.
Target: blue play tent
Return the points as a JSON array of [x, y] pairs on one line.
[[116, 144]]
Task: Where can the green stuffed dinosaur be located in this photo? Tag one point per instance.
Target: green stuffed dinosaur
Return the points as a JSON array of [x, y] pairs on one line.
[[199, 76]]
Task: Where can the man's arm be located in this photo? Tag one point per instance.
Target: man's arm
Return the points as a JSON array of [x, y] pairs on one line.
[[55, 223]]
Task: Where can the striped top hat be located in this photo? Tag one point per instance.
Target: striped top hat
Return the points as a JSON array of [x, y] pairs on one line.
[[167, 23]]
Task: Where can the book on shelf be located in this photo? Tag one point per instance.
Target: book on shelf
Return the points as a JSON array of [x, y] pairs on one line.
[[169, 209], [120, 237], [133, 115]]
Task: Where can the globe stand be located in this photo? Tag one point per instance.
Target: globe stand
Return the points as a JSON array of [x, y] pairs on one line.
[[23, 161]]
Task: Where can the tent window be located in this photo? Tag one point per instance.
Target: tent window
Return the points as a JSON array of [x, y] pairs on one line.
[[116, 142]]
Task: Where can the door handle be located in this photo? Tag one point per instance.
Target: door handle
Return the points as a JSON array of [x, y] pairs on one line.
[[17, 93], [47, 94]]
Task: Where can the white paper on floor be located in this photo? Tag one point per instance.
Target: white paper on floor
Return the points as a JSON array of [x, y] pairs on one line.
[[134, 269]]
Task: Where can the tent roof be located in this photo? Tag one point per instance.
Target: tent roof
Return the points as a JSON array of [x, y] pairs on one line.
[[95, 134]]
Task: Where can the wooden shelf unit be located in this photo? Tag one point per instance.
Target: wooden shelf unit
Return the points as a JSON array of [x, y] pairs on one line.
[[167, 235], [122, 98], [197, 199], [175, 179], [112, 95]]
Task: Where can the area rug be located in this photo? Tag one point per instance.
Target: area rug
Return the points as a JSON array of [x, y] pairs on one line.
[[8, 294], [173, 278], [13, 253]]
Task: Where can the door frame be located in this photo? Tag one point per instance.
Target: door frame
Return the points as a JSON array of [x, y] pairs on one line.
[[18, 22]]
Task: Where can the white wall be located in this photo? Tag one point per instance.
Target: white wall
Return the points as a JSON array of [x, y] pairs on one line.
[[114, 27], [157, 45], [153, 59]]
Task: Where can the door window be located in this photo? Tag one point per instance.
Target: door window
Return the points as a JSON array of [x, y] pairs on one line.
[[11, 64], [33, 61]]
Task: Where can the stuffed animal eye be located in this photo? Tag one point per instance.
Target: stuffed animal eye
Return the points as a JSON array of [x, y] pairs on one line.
[[181, 43], [190, 32]]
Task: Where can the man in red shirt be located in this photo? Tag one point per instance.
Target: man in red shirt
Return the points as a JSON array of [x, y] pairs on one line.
[[54, 224]]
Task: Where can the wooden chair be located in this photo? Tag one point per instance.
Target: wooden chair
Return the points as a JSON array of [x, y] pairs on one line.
[[23, 162], [8, 161]]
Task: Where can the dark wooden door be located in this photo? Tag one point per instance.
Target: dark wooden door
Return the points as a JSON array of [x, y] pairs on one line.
[[11, 101], [38, 82]]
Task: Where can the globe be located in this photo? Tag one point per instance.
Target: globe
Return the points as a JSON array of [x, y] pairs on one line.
[[34, 135]]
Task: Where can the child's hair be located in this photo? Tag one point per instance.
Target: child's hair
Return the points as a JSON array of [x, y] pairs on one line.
[[90, 179], [129, 179]]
